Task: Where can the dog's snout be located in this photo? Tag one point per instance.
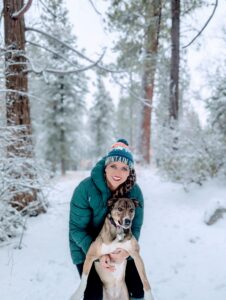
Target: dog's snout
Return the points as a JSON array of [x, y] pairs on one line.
[[127, 222]]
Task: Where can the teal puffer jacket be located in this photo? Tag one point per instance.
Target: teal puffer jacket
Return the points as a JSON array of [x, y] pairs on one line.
[[88, 210]]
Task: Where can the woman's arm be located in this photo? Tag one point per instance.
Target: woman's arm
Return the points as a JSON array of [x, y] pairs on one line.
[[80, 217]]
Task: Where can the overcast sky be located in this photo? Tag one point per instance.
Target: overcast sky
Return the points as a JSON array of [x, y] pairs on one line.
[[204, 52]]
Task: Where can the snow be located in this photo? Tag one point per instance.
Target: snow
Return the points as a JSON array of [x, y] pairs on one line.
[[184, 257]]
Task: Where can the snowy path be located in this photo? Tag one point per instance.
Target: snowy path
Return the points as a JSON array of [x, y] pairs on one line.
[[185, 259]]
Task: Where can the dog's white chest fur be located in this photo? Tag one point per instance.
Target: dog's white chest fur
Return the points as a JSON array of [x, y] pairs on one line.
[[108, 248]]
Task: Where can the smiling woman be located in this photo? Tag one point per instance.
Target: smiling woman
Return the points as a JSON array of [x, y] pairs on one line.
[[113, 176]]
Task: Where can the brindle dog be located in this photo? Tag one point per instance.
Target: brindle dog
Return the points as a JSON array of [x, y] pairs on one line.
[[115, 233]]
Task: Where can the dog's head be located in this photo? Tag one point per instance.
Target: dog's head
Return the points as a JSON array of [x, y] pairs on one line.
[[123, 211]]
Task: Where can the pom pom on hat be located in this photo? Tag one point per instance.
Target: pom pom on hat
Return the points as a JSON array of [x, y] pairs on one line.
[[123, 141], [120, 152]]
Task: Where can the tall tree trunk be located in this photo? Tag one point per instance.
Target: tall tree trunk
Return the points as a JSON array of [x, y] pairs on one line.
[[153, 18], [17, 101], [62, 130], [175, 60]]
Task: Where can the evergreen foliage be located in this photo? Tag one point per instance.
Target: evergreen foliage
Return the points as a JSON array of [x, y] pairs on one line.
[[60, 121], [127, 19], [190, 154], [102, 120], [217, 105], [128, 116]]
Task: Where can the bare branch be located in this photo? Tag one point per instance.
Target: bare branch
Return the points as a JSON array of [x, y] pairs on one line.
[[51, 51], [60, 42], [94, 7], [63, 72], [144, 101], [46, 7], [73, 50], [22, 11], [55, 71], [207, 22]]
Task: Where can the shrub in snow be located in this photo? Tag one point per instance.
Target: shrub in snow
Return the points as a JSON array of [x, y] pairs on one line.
[[22, 179], [190, 154], [11, 222]]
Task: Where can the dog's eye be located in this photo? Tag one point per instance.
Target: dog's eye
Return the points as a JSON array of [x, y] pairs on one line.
[[120, 209], [131, 210]]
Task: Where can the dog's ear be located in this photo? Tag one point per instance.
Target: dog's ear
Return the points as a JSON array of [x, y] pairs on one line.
[[136, 202], [111, 202]]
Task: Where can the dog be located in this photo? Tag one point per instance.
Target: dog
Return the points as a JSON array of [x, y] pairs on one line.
[[115, 233]]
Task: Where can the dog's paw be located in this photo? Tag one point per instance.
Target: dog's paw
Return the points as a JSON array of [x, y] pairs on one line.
[[148, 295], [78, 295]]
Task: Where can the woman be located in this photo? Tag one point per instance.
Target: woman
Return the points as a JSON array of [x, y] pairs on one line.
[[113, 176]]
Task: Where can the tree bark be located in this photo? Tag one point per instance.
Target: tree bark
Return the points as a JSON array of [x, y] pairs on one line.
[[62, 130], [153, 18], [17, 101], [18, 111], [175, 60]]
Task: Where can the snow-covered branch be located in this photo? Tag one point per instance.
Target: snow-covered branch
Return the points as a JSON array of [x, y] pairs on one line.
[[22, 11], [80, 54], [51, 51], [19, 92], [132, 93], [63, 72]]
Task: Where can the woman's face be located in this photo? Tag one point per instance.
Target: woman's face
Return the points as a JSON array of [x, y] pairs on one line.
[[116, 173]]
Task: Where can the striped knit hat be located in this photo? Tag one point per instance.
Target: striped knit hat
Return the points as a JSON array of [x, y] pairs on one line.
[[120, 152]]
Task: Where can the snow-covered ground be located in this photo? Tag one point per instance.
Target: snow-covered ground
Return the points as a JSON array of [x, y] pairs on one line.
[[185, 258]]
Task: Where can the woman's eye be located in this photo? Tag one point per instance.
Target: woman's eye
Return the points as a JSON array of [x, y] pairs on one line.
[[113, 166], [125, 169]]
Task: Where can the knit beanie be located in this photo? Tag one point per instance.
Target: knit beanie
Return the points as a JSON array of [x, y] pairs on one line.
[[120, 152]]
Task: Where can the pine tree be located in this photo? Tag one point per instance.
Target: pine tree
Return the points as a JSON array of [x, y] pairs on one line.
[[128, 116], [217, 104], [20, 177], [102, 121], [138, 24], [61, 125]]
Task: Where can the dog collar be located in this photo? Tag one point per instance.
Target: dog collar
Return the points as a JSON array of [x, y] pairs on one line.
[[112, 221]]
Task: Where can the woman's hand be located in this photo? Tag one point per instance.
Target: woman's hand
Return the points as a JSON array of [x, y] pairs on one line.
[[105, 262], [119, 255]]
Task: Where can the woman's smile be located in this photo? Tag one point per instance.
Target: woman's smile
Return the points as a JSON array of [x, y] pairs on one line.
[[116, 173], [116, 178]]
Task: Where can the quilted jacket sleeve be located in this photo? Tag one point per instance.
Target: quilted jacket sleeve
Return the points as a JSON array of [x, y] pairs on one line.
[[139, 215], [80, 217]]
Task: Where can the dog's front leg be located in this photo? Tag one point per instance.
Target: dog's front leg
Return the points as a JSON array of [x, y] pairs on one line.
[[90, 258], [141, 270], [78, 295]]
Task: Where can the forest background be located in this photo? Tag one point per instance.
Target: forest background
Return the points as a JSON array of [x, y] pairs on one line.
[[61, 106]]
